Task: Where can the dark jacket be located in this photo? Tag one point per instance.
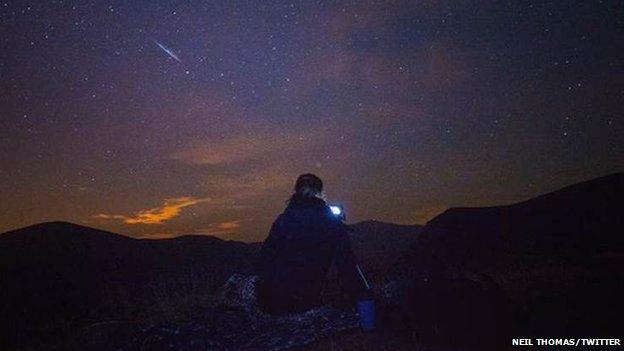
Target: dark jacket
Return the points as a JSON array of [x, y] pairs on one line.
[[296, 257]]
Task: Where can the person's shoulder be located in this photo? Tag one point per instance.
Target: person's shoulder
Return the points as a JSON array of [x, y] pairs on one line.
[[335, 222], [281, 218]]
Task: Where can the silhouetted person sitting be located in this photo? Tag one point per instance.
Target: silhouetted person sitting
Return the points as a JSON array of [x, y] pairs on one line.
[[299, 251]]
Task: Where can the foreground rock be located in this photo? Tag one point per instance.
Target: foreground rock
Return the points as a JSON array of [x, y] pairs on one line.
[[434, 314], [234, 322]]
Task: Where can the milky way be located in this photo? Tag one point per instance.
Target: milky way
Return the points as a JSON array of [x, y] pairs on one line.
[[403, 108]]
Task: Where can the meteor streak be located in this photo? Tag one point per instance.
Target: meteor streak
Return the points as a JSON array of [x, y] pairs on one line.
[[167, 51]]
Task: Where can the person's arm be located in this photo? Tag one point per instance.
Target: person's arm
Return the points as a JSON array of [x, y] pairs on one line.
[[346, 265], [354, 283], [268, 251]]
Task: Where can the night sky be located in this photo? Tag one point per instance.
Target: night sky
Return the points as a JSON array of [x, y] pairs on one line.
[[154, 118]]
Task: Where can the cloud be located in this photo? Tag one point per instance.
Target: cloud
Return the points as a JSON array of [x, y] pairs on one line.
[[245, 186], [239, 148], [227, 227], [158, 215]]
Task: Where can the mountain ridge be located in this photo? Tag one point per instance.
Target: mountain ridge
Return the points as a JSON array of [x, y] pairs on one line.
[[72, 226], [579, 217]]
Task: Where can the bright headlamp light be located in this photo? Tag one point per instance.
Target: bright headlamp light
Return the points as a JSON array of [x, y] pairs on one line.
[[336, 210]]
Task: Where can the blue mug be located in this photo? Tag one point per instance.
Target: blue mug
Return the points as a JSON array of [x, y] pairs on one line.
[[366, 311]]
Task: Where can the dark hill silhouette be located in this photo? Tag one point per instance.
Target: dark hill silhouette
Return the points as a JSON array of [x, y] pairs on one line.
[[583, 218], [60, 273], [378, 244], [558, 257]]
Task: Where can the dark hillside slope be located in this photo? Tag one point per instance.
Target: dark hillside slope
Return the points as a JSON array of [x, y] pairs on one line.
[[583, 218], [59, 273], [378, 244], [559, 257]]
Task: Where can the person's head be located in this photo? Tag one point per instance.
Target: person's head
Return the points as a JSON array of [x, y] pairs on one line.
[[309, 185]]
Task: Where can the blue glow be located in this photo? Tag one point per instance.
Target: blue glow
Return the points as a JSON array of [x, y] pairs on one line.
[[335, 210]]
